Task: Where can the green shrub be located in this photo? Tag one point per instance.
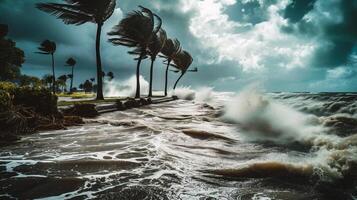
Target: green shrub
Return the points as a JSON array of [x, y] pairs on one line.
[[37, 98], [40, 99], [7, 87], [5, 101]]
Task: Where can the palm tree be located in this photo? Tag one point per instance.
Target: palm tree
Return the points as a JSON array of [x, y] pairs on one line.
[[158, 41], [71, 63], [182, 62], [169, 52], [47, 80], [136, 31], [62, 82], [48, 47], [79, 12]]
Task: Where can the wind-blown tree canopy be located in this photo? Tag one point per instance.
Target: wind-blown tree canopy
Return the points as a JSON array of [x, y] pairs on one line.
[[169, 51], [136, 31], [71, 62], [11, 57], [155, 46], [79, 12], [182, 61], [48, 47]]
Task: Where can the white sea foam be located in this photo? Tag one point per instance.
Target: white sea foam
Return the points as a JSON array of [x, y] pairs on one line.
[[115, 88]]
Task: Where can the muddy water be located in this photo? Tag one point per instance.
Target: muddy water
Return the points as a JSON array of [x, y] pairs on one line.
[[174, 150]]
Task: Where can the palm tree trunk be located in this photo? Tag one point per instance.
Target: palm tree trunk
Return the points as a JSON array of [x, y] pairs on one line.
[[151, 76], [99, 64], [137, 95], [70, 89], [166, 76], [183, 73], [53, 75]]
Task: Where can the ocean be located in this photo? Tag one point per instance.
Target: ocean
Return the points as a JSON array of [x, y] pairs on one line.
[[208, 145]]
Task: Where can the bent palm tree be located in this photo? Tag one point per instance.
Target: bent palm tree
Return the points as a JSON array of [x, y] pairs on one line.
[[71, 63], [169, 52], [79, 12], [49, 48], [135, 31], [158, 41], [182, 62]]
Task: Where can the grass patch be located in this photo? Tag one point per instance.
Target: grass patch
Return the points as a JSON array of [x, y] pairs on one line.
[[92, 101], [77, 95]]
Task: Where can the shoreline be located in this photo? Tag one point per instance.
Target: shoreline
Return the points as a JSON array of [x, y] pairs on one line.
[[75, 112]]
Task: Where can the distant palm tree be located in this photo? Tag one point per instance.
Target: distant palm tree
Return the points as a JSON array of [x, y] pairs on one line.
[[62, 82], [92, 80], [169, 52], [48, 47], [136, 31], [182, 62], [71, 63], [79, 12], [157, 42], [110, 75], [47, 80]]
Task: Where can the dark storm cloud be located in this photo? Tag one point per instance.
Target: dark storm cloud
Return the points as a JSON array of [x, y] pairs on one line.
[[338, 35], [336, 39], [297, 9], [27, 23]]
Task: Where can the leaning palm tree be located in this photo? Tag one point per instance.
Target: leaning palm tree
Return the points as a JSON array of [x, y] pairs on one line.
[[48, 47], [158, 41], [169, 52], [136, 31], [71, 63], [79, 12], [182, 62]]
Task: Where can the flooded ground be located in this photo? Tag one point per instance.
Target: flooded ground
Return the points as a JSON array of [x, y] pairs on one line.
[[222, 146]]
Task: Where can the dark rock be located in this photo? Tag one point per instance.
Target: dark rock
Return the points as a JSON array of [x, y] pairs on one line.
[[82, 110], [149, 100], [175, 97], [131, 103], [72, 121], [143, 102], [120, 105]]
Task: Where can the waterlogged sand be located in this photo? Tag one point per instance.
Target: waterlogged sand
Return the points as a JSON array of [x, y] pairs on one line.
[[264, 149]]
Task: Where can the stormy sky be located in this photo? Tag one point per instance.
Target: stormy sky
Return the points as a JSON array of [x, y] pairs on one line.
[[283, 45]]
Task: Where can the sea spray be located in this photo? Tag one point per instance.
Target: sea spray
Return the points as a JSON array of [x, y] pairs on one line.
[[185, 93], [261, 119], [126, 88], [201, 95]]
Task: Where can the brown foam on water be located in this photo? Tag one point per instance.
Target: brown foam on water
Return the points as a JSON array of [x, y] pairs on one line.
[[205, 135], [267, 169]]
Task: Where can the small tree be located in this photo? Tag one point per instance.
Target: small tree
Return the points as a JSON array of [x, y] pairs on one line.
[[48, 47], [71, 63], [87, 86]]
